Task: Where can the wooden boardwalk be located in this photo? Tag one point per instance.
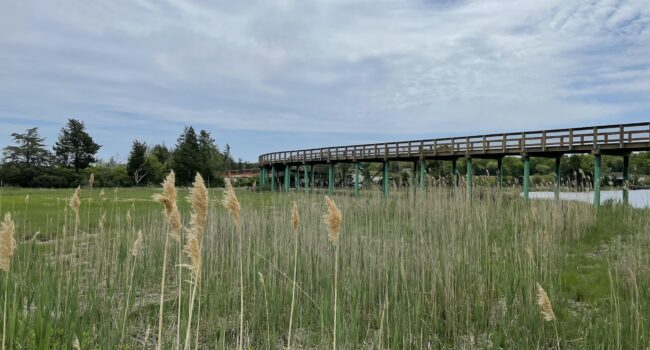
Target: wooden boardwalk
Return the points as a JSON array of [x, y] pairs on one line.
[[618, 139], [614, 139]]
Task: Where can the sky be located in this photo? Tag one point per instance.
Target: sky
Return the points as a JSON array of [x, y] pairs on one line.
[[266, 76]]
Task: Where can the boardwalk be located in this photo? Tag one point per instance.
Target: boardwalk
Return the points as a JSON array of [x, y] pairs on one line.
[[620, 139]]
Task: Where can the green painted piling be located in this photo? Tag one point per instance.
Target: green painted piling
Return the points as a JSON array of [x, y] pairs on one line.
[[626, 179], [287, 178], [526, 177], [306, 177], [558, 177], [356, 179], [454, 172], [422, 173], [470, 176], [386, 178], [500, 172], [597, 165], [330, 179], [296, 179], [274, 176]]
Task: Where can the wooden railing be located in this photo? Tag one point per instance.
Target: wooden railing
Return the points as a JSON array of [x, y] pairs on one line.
[[635, 136]]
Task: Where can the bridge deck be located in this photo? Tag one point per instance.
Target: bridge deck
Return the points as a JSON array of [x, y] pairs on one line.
[[606, 139]]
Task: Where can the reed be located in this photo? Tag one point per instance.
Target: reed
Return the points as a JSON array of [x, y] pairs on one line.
[[332, 220], [295, 227], [231, 203], [168, 199], [7, 248]]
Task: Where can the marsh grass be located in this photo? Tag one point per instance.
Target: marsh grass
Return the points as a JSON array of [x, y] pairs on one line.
[[430, 270]]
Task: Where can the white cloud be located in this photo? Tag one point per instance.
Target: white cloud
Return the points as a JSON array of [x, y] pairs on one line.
[[392, 67]]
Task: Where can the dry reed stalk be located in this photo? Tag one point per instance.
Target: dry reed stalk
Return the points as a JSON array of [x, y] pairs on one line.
[[332, 220], [75, 203], [168, 199], [266, 304], [7, 248], [193, 251], [231, 203], [295, 226], [135, 251], [199, 201], [91, 180]]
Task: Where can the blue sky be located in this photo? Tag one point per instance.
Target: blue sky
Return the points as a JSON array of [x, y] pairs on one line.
[[273, 75]]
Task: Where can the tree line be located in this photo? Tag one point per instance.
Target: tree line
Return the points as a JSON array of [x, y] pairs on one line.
[[29, 163]]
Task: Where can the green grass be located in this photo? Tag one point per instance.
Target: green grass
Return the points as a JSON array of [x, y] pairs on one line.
[[430, 271]]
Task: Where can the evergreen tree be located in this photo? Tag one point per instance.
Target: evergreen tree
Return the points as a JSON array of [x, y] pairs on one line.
[[75, 148], [29, 150], [209, 156], [186, 160], [136, 165]]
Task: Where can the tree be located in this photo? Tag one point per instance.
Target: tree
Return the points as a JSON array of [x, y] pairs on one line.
[[75, 148], [186, 157], [29, 150], [136, 165]]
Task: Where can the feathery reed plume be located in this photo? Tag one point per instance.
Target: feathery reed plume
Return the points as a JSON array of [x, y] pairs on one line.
[[168, 199], [546, 309], [333, 221], [7, 247], [231, 203], [75, 344], [199, 200], [193, 251], [129, 219], [295, 226], [7, 242], [102, 221], [544, 303], [102, 195], [75, 202], [137, 245], [91, 180]]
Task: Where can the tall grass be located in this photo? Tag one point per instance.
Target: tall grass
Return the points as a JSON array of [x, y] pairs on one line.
[[430, 270]]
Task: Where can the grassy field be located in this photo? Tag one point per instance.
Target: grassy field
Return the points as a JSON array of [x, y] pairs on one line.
[[429, 271]]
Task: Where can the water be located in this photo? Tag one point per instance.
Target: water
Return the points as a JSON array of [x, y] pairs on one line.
[[637, 198]]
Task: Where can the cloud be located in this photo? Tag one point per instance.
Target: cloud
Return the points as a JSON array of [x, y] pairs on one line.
[[382, 67]]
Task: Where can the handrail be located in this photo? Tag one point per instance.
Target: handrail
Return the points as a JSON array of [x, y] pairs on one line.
[[567, 140]]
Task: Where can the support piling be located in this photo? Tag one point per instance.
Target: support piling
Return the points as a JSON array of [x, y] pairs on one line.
[[330, 179], [597, 166], [526, 177], [626, 179], [470, 176], [386, 178]]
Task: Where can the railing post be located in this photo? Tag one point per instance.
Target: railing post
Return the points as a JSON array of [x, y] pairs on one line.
[[356, 179], [330, 178], [287, 177], [274, 175], [626, 178], [597, 164], [558, 177], [470, 176], [526, 177], [386, 178]]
